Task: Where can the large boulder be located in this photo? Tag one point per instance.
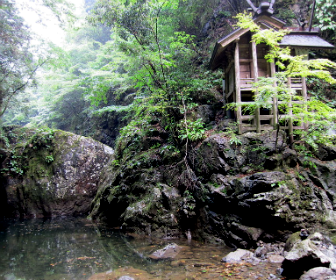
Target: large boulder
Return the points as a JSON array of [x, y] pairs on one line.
[[57, 174], [314, 251]]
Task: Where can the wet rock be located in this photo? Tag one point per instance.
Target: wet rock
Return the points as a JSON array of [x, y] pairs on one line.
[[128, 273], [168, 252], [273, 277], [315, 251], [276, 203], [238, 256], [304, 233], [318, 273], [126, 278], [262, 250]]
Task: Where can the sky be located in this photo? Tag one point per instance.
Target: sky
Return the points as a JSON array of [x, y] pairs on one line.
[[42, 21]]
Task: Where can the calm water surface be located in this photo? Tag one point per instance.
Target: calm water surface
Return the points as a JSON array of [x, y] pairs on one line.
[[78, 249]]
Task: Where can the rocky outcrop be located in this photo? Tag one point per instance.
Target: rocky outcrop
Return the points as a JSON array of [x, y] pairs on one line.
[[52, 173], [237, 191], [286, 194]]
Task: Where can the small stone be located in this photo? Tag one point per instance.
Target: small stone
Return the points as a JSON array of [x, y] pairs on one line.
[[202, 264], [279, 271], [237, 256], [181, 262], [174, 263], [125, 278], [304, 233], [275, 258]]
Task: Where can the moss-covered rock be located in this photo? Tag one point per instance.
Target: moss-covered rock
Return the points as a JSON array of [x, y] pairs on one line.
[[222, 191], [52, 173]]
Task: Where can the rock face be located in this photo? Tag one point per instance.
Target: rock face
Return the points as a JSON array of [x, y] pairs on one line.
[[287, 193], [237, 192], [57, 174]]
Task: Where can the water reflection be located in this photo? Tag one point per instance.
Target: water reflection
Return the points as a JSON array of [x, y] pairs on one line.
[[62, 249], [77, 249]]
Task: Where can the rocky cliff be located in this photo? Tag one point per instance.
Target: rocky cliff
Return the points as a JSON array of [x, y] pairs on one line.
[[226, 191]]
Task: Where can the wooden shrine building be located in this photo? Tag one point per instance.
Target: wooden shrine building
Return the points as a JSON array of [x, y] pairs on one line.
[[243, 62]]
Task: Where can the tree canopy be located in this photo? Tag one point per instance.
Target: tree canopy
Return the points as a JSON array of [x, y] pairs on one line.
[[16, 60]]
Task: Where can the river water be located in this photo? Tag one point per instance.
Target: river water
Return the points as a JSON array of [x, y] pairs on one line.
[[78, 249]]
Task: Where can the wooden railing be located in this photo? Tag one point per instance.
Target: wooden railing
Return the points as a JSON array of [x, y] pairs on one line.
[[296, 83], [247, 83]]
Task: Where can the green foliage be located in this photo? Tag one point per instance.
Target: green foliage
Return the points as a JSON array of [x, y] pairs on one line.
[[158, 58], [43, 138], [13, 166], [294, 66], [4, 139], [193, 130], [115, 163], [113, 108], [188, 195], [322, 91], [305, 152], [22, 54], [49, 159], [144, 51], [231, 131], [326, 17], [26, 148]]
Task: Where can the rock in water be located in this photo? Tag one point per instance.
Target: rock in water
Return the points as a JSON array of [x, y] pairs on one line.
[[238, 256], [168, 252], [126, 278]]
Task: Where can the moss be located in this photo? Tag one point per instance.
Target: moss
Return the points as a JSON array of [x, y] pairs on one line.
[[292, 240], [333, 239], [113, 192]]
